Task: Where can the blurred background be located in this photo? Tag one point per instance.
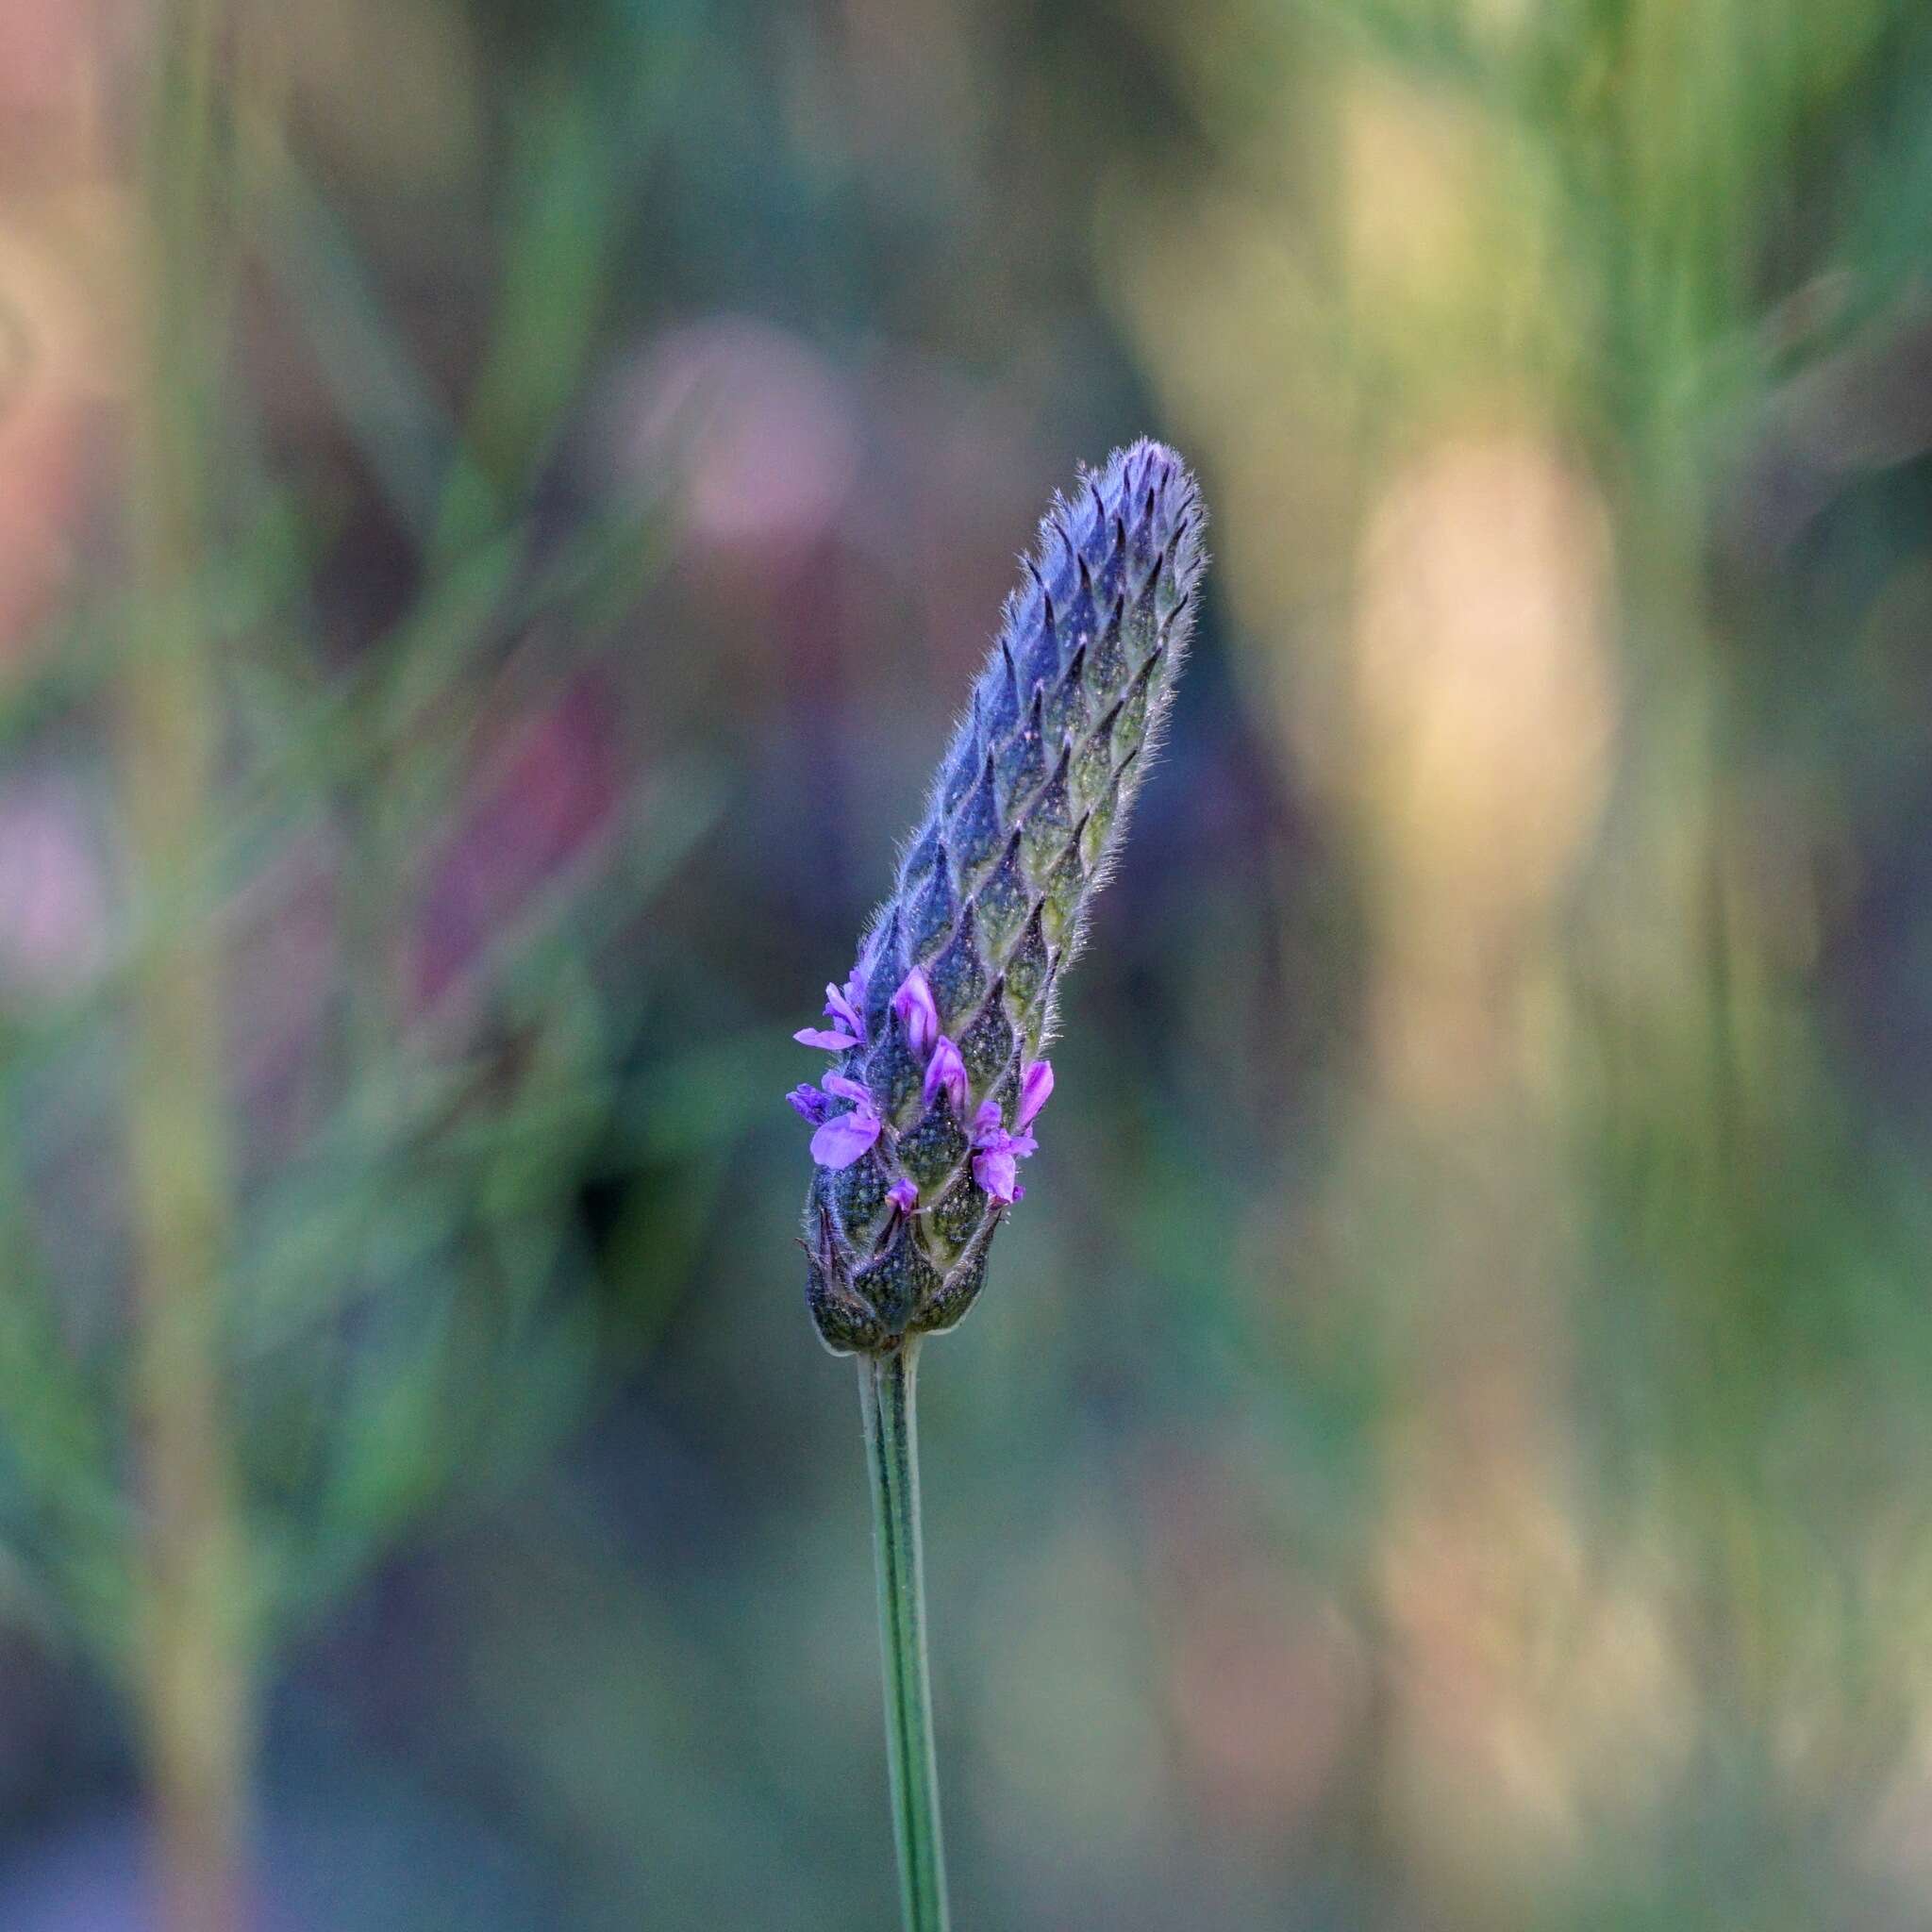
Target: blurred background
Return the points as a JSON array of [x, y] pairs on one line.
[[499, 506]]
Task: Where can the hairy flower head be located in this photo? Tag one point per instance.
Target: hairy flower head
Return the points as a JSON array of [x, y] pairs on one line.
[[939, 1033]]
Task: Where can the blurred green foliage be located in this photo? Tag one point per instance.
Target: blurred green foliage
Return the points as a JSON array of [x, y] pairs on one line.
[[1443, 1444]]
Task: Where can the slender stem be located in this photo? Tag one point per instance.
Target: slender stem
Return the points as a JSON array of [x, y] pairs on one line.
[[891, 1443]]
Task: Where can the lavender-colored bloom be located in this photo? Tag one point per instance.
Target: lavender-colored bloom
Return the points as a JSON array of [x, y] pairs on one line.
[[1035, 1086], [918, 1015], [992, 891], [810, 1104], [846, 1006], [846, 1137], [997, 1153], [945, 1072]]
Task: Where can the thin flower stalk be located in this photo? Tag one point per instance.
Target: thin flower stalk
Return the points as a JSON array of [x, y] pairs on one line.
[[886, 1387]]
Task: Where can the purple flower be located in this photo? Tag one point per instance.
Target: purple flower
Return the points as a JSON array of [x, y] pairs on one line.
[[902, 1195], [918, 1012], [997, 1153], [845, 1004], [945, 1072], [1036, 1084], [811, 1103], [845, 1137]]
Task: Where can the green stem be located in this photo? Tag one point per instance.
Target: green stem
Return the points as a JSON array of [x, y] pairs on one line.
[[891, 1443]]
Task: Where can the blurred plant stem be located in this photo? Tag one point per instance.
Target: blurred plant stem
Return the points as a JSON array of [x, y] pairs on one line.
[[886, 1387], [190, 1637]]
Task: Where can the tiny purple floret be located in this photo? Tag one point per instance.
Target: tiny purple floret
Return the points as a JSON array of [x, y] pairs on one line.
[[945, 1072], [1036, 1084], [846, 1137], [810, 1104], [996, 1153], [918, 1012], [902, 1195], [846, 1004]]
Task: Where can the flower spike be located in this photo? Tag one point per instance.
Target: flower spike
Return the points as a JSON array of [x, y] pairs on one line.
[[941, 1028]]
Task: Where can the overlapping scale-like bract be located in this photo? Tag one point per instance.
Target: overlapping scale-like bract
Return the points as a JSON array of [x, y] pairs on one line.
[[1028, 810]]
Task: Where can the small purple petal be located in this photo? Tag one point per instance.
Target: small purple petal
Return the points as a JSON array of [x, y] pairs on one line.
[[811, 1103], [902, 1195], [1036, 1084], [843, 1141], [996, 1172], [848, 1089], [997, 1153], [918, 1012], [824, 1036], [846, 1004], [946, 1072]]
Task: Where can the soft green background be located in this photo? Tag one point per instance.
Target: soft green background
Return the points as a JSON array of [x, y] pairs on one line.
[[1447, 1440]]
